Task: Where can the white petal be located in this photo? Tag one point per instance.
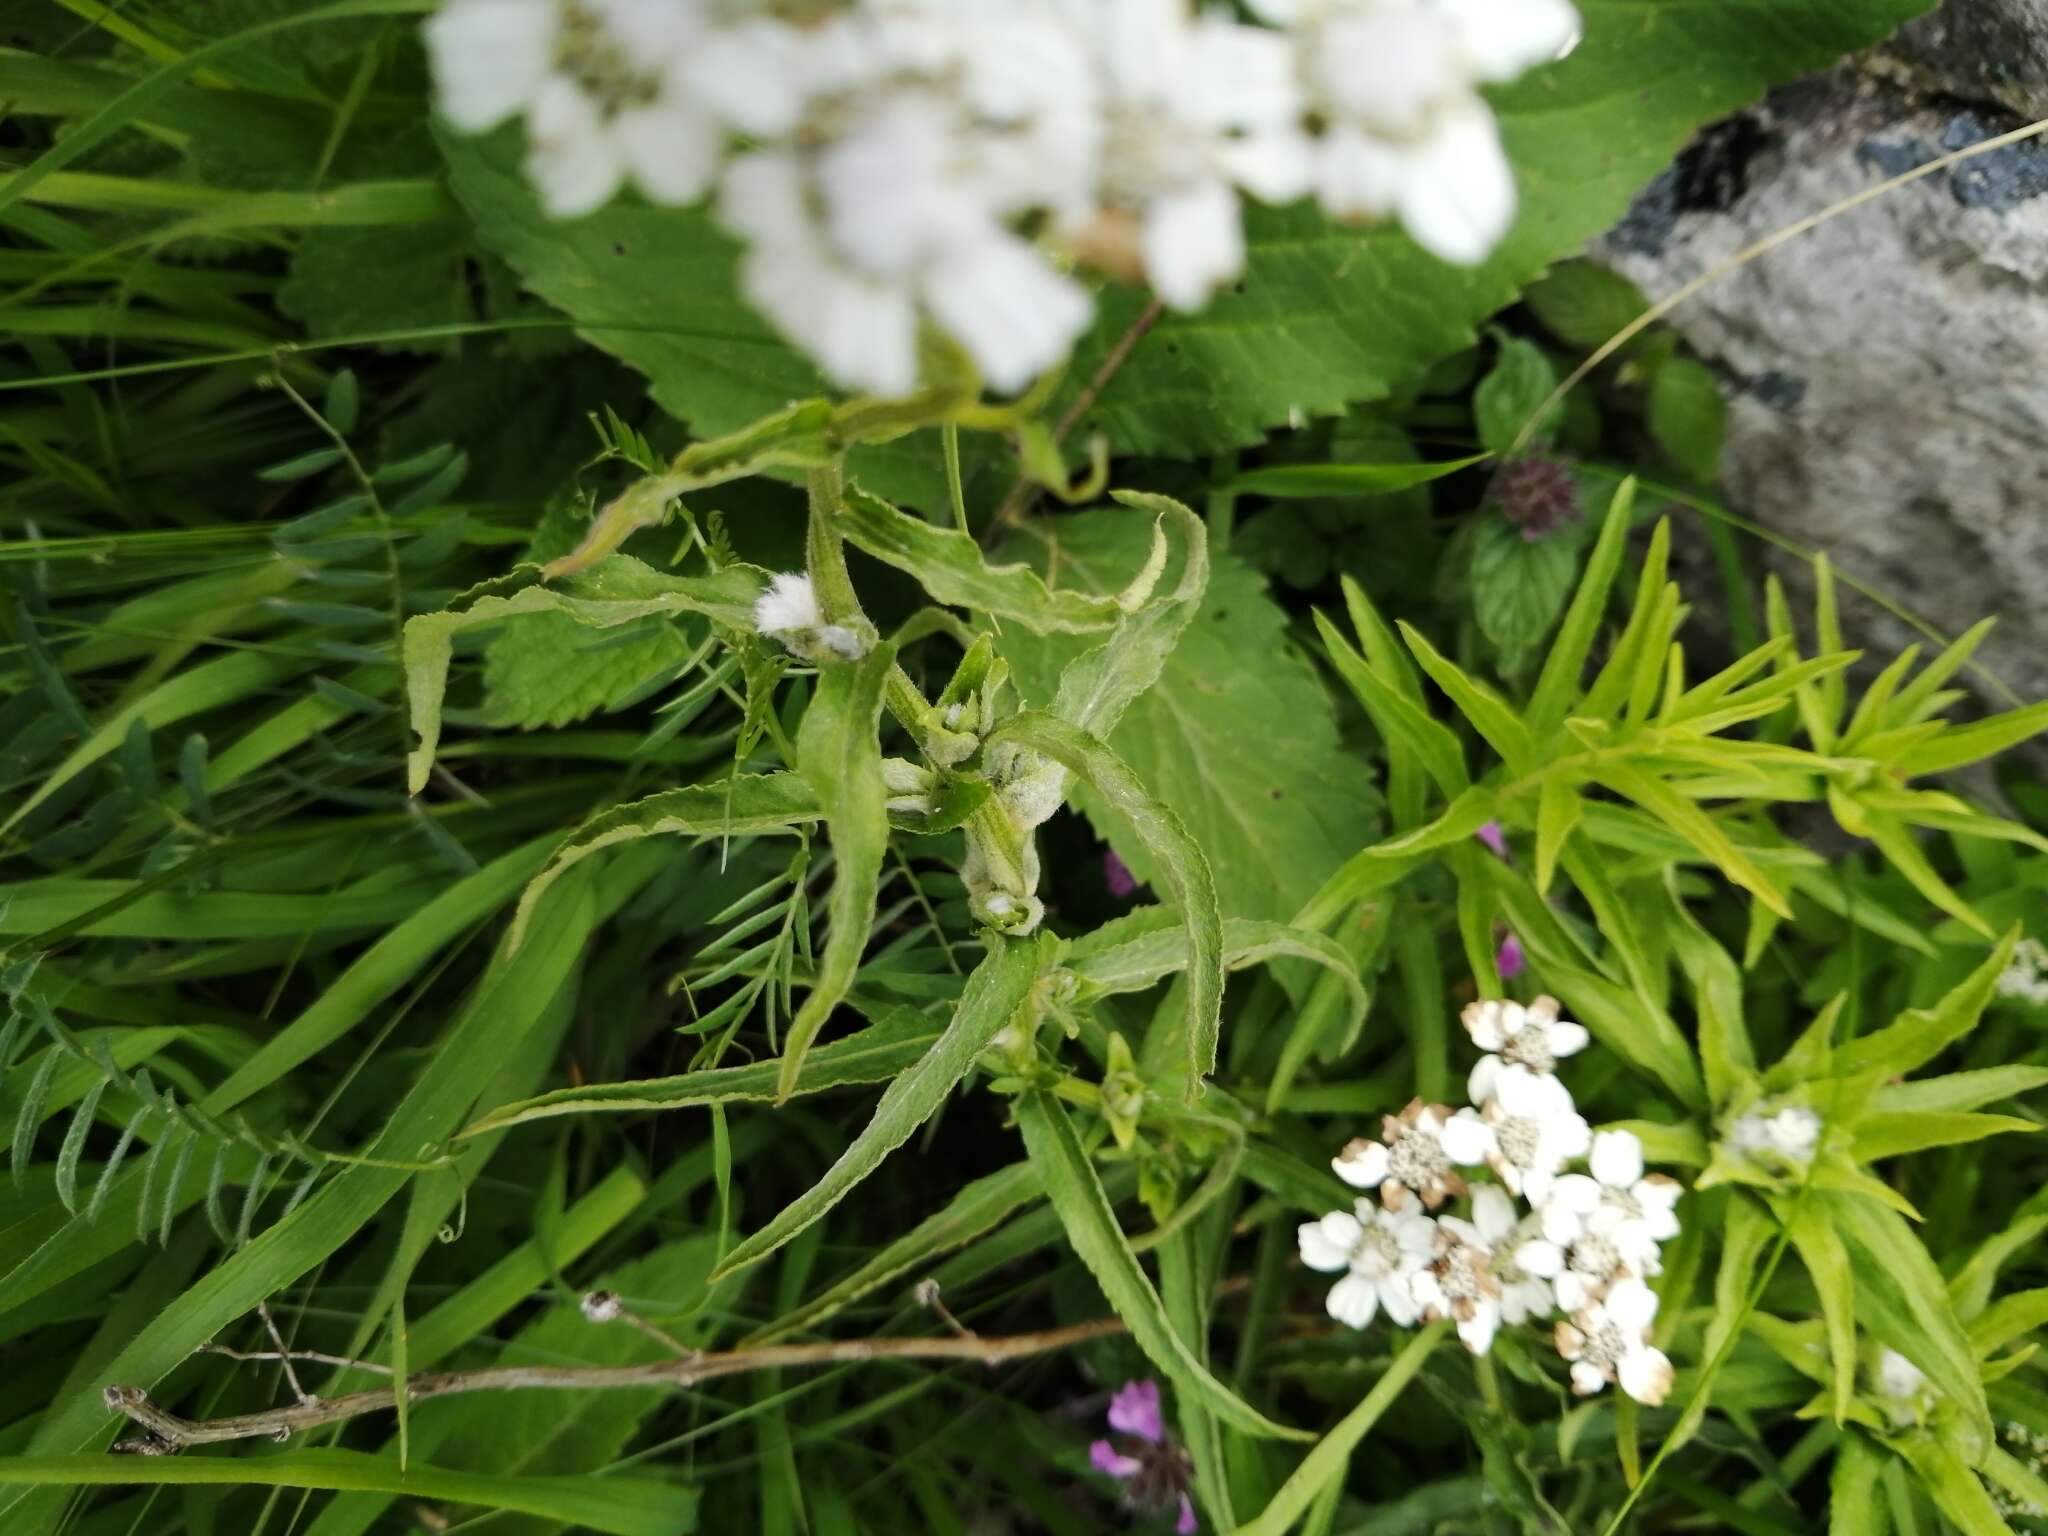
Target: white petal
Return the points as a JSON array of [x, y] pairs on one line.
[[1540, 1257], [1574, 1290], [490, 58], [1531, 1094], [1568, 1136], [1361, 1165], [672, 148], [1467, 1139], [1457, 192], [1388, 66], [1428, 1294], [1483, 1022], [1414, 1233], [1478, 1330], [1484, 1081], [1630, 1304], [1398, 1299], [1493, 1213], [1646, 1375], [1353, 1300], [1356, 175], [1505, 37], [1013, 313], [1328, 1244], [1535, 1182], [1193, 243], [572, 157], [1568, 1039], [1587, 1378], [753, 75], [1617, 1158]]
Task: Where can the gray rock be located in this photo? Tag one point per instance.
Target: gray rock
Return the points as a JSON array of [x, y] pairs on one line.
[[1888, 370]]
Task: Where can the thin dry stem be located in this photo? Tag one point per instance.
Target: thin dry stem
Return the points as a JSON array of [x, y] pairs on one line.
[[169, 1431]]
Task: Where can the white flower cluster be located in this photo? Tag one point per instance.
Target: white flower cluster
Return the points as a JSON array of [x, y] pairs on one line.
[[1583, 1244], [885, 160], [1785, 1138], [2026, 976]]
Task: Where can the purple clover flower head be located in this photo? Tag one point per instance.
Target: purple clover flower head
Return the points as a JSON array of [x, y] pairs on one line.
[[1494, 838], [1537, 495], [1511, 961], [1155, 1472], [1117, 876]]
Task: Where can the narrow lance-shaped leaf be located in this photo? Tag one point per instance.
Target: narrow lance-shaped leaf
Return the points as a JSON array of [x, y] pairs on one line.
[[1185, 869], [1487, 711], [1918, 1035], [615, 591], [735, 807], [999, 986], [1827, 1261], [870, 1055], [1076, 1193], [1558, 683], [839, 755], [1399, 718], [1132, 952]]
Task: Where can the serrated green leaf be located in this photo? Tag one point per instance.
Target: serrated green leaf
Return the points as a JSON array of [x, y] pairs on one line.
[[1696, 827], [1486, 711], [546, 669], [1896, 1133], [1179, 859], [1507, 399], [743, 804], [839, 755], [1199, 737], [1584, 303], [1398, 717], [1688, 416], [876, 1054], [1076, 1193], [1961, 1090], [1519, 585], [1918, 1035], [998, 987], [612, 592]]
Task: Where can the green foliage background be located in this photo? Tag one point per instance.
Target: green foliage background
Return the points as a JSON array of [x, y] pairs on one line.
[[300, 388]]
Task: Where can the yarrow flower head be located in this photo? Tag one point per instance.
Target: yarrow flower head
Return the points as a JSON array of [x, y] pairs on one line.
[[605, 87], [1580, 1243], [1412, 1161], [1380, 1252], [1156, 1473], [2025, 976], [1610, 1341], [1521, 1041]]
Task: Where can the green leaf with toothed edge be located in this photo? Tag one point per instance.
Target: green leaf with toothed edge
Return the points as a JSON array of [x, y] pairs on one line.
[[1000, 985], [1076, 1193], [840, 757]]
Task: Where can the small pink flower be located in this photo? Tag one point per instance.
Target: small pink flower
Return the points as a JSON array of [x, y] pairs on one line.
[[1494, 838], [1510, 961], [1155, 1472], [1117, 876]]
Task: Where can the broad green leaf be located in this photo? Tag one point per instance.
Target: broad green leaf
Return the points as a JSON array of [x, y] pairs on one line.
[[1895, 1134], [1584, 303], [997, 989], [1487, 712], [1331, 1457], [623, 1506], [1891, 1263], [1688, 416], [546, 669], [1519, 585], [615, 591], [980, 1206], [839, 755], [1182, 867], [1076, 1193], [872, 1055], [1199, 737], [1506, 401], [951, 568], [1340, 480], [1918, 1035], [739, 806], [1558, 683]]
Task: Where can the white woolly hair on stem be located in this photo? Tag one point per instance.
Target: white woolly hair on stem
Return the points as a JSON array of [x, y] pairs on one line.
[[1749, 253]]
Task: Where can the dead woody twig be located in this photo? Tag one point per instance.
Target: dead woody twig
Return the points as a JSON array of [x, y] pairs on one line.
[[170, 1432]]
